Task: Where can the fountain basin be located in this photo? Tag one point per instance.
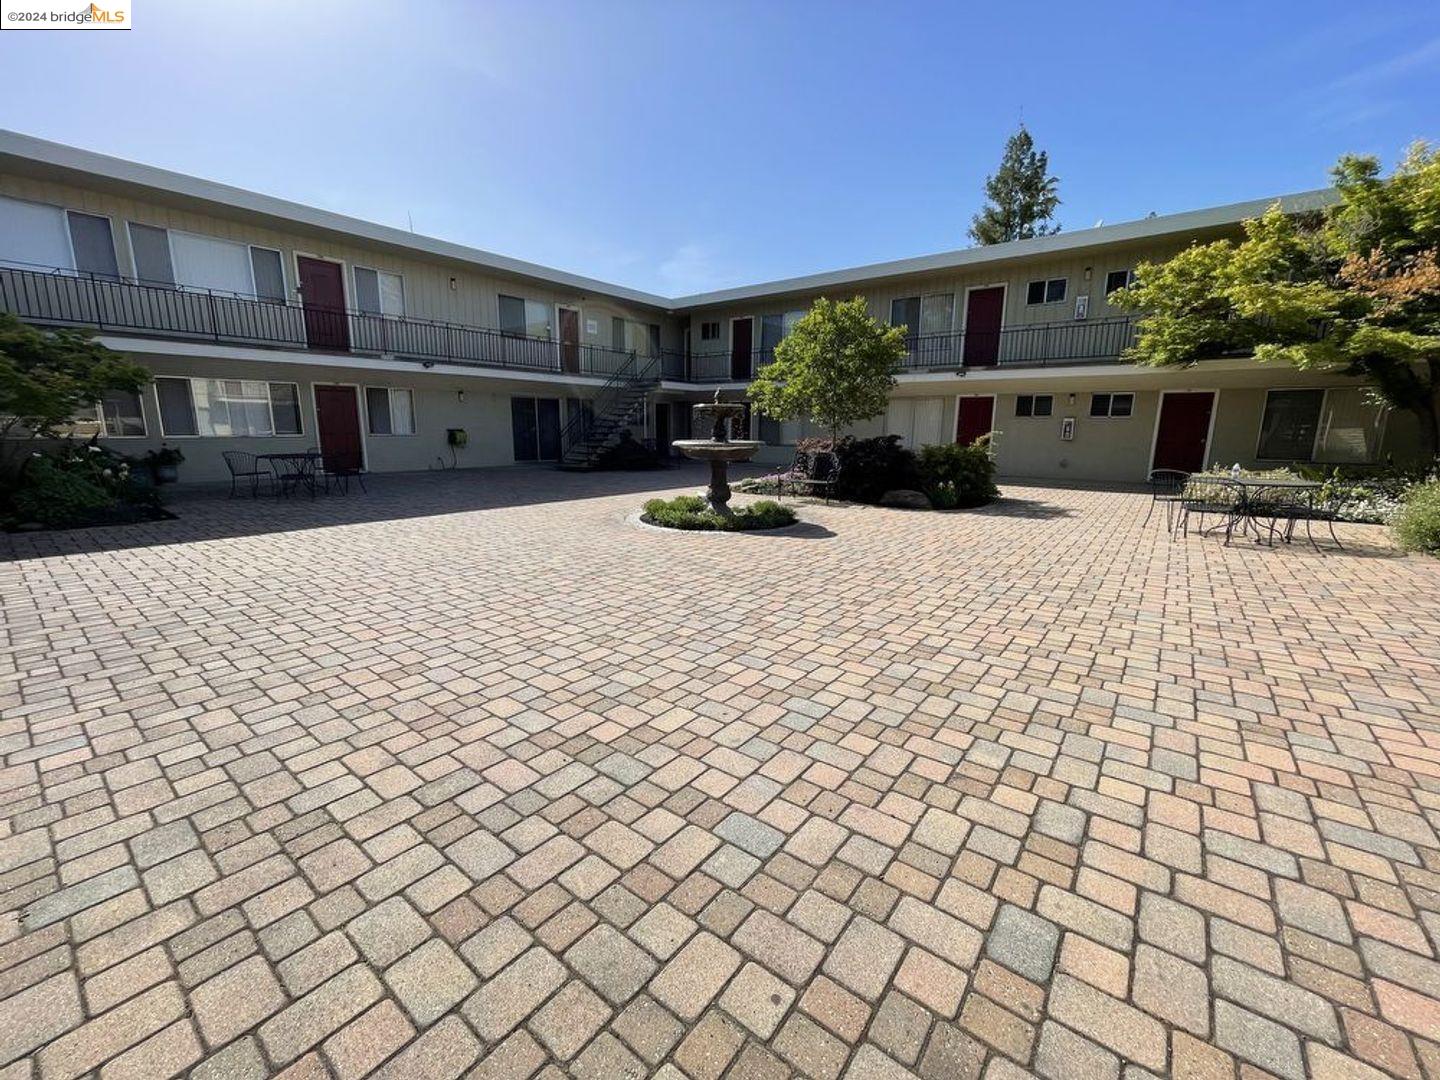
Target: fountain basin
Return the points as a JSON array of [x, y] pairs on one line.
[[714, 450]]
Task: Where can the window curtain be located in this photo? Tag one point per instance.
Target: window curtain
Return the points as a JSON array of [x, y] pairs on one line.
[[203, 262], [35, 236], [1350, 428]]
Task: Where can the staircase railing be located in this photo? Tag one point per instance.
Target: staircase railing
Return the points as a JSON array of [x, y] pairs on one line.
[[634, 372]]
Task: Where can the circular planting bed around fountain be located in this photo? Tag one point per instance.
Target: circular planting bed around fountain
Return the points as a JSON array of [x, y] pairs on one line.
[[694, 514]]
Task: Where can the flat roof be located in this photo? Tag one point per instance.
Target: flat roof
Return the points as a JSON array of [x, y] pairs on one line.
[[28, 155]]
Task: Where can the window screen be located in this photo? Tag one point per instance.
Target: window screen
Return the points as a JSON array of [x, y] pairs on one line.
[[94, 245], [177, 408], [285, 407], [906, 312], [1287, 431], [1055, 290], [772, 329], [377, 406], [121, 414], [937, 313], [709, 331], [204, 262], [151, 250], [617, 332], [269, 277], [1116, 280], [1351, 427]]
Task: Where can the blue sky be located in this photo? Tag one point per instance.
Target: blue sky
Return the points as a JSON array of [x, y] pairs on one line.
[[679, 146]]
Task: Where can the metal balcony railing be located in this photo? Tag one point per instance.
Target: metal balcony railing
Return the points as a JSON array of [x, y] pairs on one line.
[[117, 305], [124, 306]]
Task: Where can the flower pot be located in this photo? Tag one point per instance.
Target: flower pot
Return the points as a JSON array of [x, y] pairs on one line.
[[166, 474]]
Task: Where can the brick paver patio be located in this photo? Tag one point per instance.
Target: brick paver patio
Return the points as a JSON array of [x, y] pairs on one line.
[[470, 776]]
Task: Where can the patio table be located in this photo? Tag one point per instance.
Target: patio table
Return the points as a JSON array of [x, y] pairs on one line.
[[293, 469]]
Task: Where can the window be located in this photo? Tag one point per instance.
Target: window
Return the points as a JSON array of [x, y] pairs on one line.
[[150, 248], [774, 328], [906, 312], [1290, 423], [168, 257], [38, 236], [1118, 279], [269, 274], [1045, 292], [390, 410], [1034, 405], [617, 333], [937, 313], [120, 415], [527, 318], [378, 292], [94, 245], [1341, 425], [1113, 405], [239, 408], [709, 331]]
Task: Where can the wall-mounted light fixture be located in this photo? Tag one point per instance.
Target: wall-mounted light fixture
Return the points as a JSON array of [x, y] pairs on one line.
[[1087, 275], [453, 285], [460, 396], [1072, 399]]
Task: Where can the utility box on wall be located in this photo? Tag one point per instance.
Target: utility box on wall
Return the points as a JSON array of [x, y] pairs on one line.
[[1067, 428], [456, 436]]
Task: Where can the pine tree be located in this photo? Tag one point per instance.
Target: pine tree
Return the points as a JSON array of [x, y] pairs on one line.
[[1022, 195]]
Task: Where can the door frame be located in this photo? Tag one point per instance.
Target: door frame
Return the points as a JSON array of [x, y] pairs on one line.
[[731, 351], [346, 270], [1209, 431], [360, 416], [579, 339], [964, 327]]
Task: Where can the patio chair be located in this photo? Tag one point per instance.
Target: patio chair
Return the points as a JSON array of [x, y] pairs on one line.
[[1204, 495], [1166, 486], [798, 469], [341, 466], [821, 478], [244, 466], [1305, 506]]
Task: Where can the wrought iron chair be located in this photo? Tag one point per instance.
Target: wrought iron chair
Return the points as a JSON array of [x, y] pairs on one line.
[[798, 469], [821, 477], [245, 466], [1290, 506], [1216, 495], [1166, 486], [341, 466]]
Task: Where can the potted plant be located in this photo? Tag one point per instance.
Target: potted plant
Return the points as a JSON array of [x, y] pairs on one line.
[[163, 463]]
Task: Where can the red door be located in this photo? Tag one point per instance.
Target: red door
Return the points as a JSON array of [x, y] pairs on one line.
[[1183, 431], [338, 412], [977, 414], [742, 337], [322, 292], [984, 311], [570, 339]]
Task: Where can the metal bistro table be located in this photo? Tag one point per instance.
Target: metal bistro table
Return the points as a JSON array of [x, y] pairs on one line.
[[293, 470], [1288, 499]]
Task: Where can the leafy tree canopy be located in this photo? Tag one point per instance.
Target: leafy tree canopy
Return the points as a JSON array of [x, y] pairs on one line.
[[836, 367], [1022, 195], [50, 377], [1354, 288]]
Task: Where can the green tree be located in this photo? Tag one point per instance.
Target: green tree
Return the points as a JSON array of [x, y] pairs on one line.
[[1354, 288], [50, 377], [836, 367], [1023, 195]]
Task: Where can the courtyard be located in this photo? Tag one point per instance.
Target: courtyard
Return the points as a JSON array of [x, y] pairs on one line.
[[472, 776]]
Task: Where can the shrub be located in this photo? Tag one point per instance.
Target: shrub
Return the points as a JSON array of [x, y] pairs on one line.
[[871, 467], [77, 485], [693, 513], [958, 476], [1417, 525]]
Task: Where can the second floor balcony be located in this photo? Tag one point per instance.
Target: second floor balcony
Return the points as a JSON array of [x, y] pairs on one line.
[[119, 306]]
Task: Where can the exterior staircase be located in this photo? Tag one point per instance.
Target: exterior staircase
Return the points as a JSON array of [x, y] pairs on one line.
[[592, 431]]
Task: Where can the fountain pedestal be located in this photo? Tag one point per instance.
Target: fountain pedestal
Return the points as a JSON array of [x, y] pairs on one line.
[[719, 450]]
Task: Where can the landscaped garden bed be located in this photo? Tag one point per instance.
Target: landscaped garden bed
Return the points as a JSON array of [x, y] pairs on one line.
[[693, 514]]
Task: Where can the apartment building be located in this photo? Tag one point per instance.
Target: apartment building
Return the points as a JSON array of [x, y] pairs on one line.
[[270, 326]]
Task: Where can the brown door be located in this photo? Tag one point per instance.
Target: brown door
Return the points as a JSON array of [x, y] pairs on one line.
[[742, 339], [570, 339], [1183, 432], [984, 310], [338, 412], [322, 292], [977, 415]]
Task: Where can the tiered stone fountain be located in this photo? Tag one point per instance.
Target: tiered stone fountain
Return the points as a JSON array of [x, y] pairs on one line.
[[719, 449]]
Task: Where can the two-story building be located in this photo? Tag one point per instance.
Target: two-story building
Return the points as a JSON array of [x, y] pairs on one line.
[[271, 326]]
